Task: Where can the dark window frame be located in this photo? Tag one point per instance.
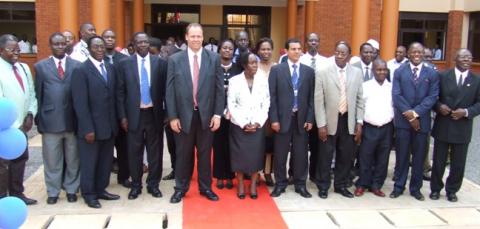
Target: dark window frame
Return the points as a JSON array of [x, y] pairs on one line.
[[472, 34], [247, 10], [11, 7]]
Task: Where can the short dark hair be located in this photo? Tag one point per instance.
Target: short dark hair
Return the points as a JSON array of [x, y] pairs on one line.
[[6, 38], [155, 42], [378, 61], [89, 41], [344, 43], [415, 43], [108, 30], [54, 35], [243, 60], [291, 40], [365, 44], [263, 40], [137, 34], [223, 42]]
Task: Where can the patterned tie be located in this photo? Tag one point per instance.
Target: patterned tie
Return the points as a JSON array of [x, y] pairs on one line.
[[104, 73], [415, 75], [342, 107], [19, 78], [367, 75], [144, 86], [295, 87], [313, 64], [61, 73], [460, 81], [196, 72]]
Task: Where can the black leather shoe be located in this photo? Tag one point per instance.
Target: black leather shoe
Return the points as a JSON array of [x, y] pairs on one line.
[[344, 192], [323, 193], [395, 194], [170, 176], [93, 203], [27, 200], [418, 196], [269, 180], [209, 194], [155, 192], [435, 195], [108, 196], [134, 192], [229, 184], [241, 196], [452, 197], [303, 192], [277, 192], [52, 199], [254, 196], [71, 197], [125, 183], [177, 197]]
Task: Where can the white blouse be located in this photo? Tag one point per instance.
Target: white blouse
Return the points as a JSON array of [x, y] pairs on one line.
[[247, 107]]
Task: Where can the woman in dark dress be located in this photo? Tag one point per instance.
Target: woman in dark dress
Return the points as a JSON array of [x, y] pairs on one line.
[[248, 103], [222, 170]]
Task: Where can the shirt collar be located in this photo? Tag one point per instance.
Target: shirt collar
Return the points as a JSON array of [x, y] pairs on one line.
[[56, 60], [364, 65], [95, 62], [418, 66], [191, 52], [139, 58], [458, 72], [290, 63]]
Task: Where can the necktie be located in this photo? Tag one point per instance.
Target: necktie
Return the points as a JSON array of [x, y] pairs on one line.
[[415, 74], [144, 86], [211, 47], [367, 75], [104, 73], [295, 86], [196, 72], [313, 64], [61, 73], [110, 58], [342, 107], [19, 78], [460, 81]]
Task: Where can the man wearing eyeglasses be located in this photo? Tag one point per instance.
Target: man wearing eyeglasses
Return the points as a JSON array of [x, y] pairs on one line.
[[16, 84]]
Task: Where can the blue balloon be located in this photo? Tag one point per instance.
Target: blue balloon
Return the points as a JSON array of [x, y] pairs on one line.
[[12, 143], [9, 113], [13, 212]]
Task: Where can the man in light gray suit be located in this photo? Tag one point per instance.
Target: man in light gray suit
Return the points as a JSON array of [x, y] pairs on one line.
[[56, 121], [365, 64], [195, 101], [339, 109]]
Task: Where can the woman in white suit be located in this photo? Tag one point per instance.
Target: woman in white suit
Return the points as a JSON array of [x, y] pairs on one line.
[[248, 104]]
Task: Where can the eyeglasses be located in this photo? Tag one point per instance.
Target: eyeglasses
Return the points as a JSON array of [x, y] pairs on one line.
[[13, 50]]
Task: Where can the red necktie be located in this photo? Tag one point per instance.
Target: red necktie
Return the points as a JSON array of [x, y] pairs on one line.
[[61, 73], [196, 71], [19, 78]]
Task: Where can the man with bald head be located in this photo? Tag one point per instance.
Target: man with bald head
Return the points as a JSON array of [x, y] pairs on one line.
[[400, 58], [458, 104], [80, 50], [242, 43], [415, 91]]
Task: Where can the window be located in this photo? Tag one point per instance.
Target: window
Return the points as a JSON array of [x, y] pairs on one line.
[[474, 36], [18, 18], [254, 20], [171, 20], [430, 29]]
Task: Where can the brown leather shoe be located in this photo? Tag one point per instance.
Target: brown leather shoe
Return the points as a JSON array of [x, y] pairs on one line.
[[359, 191], [377, 192]]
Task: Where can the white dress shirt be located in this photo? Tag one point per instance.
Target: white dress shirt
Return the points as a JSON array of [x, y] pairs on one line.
[[63, 62], [464, 75], [378, 102], [364, 66], [392, 65], [211, 47], [147, 67], [418, 66], [248, 107], [97, 65], [320, 60], [24, 46], [191, 53], [80, 51]]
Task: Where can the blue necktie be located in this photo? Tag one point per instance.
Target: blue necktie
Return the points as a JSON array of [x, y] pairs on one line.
[[295, 86], [144, 87], [104, 73]]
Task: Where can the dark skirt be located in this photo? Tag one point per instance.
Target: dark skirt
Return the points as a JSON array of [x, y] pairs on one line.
[[247, 150], [221, 152]]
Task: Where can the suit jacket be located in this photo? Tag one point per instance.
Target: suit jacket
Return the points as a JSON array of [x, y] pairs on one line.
[[128, 90], [327, 97], [54, 96], [282, 95], [467, 97], [117, 58], [420, 97], [358, 64], [94, 101], [10, 88], [210, 92]]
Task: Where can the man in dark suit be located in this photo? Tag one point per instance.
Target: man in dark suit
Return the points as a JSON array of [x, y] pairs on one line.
[[291, 113], [114, 58], [339, 109], [56, 121], [140, 97], [365, 63], [93, 94], [457, 106], [414, 92], [195, 102]]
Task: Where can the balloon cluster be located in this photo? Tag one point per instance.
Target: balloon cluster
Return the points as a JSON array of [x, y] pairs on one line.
[[13, 143]]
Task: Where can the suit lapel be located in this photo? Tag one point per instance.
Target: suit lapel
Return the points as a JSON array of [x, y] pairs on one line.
[[185, 65], [52, 68], [68, 68], [203, 67], [301, 71], [334, 75], [93, 68], [153, 73], [288, 75], [135, 70], [464, 88]]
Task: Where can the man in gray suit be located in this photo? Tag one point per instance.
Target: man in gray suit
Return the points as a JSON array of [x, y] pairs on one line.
[[365, 64], [195, 102], [339, 109], [56, 121]]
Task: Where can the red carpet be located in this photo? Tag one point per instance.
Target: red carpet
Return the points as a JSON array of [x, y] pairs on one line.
[[230, 212]]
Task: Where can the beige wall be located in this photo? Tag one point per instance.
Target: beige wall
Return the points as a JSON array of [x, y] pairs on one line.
[[439, 5], [211, 15], [278, 30], [147, 13]]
